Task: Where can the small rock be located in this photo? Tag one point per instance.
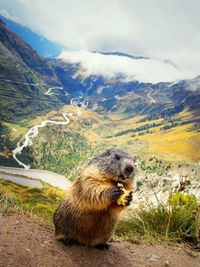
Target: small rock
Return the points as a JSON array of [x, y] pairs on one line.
[[166, 262], [27, 249], [152, 257]]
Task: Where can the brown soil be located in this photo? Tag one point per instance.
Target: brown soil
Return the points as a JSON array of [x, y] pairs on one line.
[[26, 242]]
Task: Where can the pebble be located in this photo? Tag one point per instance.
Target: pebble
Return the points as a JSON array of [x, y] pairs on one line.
[[152, 257], [166, 262]]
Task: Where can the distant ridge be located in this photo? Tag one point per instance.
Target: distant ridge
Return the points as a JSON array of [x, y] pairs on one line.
[[120, 54], [43, 46]]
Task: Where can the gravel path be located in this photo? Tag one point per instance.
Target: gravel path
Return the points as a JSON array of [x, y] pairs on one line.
[[25, 241]]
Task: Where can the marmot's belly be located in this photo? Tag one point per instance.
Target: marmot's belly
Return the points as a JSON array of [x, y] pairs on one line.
[[93, 228]]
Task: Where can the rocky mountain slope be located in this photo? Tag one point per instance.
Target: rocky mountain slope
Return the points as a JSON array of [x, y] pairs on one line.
[[20, 62], [140, 112], [43, 46], [25, 77], [129, 98]]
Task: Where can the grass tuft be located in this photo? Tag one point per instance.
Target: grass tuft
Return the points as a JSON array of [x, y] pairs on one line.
[[166, 222], [7, 201]]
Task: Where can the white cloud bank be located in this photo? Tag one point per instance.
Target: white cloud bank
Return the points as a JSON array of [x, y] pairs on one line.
[[109, 66], [163, 30]]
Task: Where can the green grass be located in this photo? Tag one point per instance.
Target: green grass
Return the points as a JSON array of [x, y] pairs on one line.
[[166, 223], [41, 202]]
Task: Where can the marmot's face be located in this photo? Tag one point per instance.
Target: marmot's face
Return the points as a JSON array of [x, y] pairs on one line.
[[118, 165]]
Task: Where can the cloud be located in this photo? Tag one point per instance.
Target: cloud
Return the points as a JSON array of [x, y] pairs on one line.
[[6, 14], [163, 30], [109, 66]]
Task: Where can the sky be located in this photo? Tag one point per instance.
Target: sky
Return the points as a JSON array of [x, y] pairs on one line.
[[159, 29]]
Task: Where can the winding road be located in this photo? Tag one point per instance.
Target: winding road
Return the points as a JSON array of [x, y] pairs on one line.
[[148, 97], [34, 131], [48, 92], [33, 177], [19, 82]]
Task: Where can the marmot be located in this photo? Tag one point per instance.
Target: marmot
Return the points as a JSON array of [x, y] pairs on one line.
[[90, 210]]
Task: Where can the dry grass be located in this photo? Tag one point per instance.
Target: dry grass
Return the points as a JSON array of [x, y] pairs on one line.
[[177, 144], [16, 131]]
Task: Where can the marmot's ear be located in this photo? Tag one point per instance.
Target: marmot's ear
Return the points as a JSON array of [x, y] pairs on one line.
[[106, 153]]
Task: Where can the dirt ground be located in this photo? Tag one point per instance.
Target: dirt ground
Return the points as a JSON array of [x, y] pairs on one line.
[[26, 242]]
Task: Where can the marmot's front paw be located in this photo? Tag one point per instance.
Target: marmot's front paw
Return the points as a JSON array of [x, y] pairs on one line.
[[129, 198], [116, 192]]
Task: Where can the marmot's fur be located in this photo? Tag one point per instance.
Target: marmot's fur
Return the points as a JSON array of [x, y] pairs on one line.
[[90, 210]]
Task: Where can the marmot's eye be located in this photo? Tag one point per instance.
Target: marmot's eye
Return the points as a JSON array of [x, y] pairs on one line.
[[117, 157]]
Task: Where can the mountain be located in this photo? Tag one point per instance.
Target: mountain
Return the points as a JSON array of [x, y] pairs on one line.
[[151, 112], [100, 78], [129, 97], [25, 77], [43, 46], [20, 62]]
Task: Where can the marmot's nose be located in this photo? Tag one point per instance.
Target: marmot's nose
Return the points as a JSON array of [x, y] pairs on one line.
[[129, 168]]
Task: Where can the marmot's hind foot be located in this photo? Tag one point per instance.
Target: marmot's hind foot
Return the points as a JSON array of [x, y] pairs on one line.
[[102, 246], [69, 241]]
